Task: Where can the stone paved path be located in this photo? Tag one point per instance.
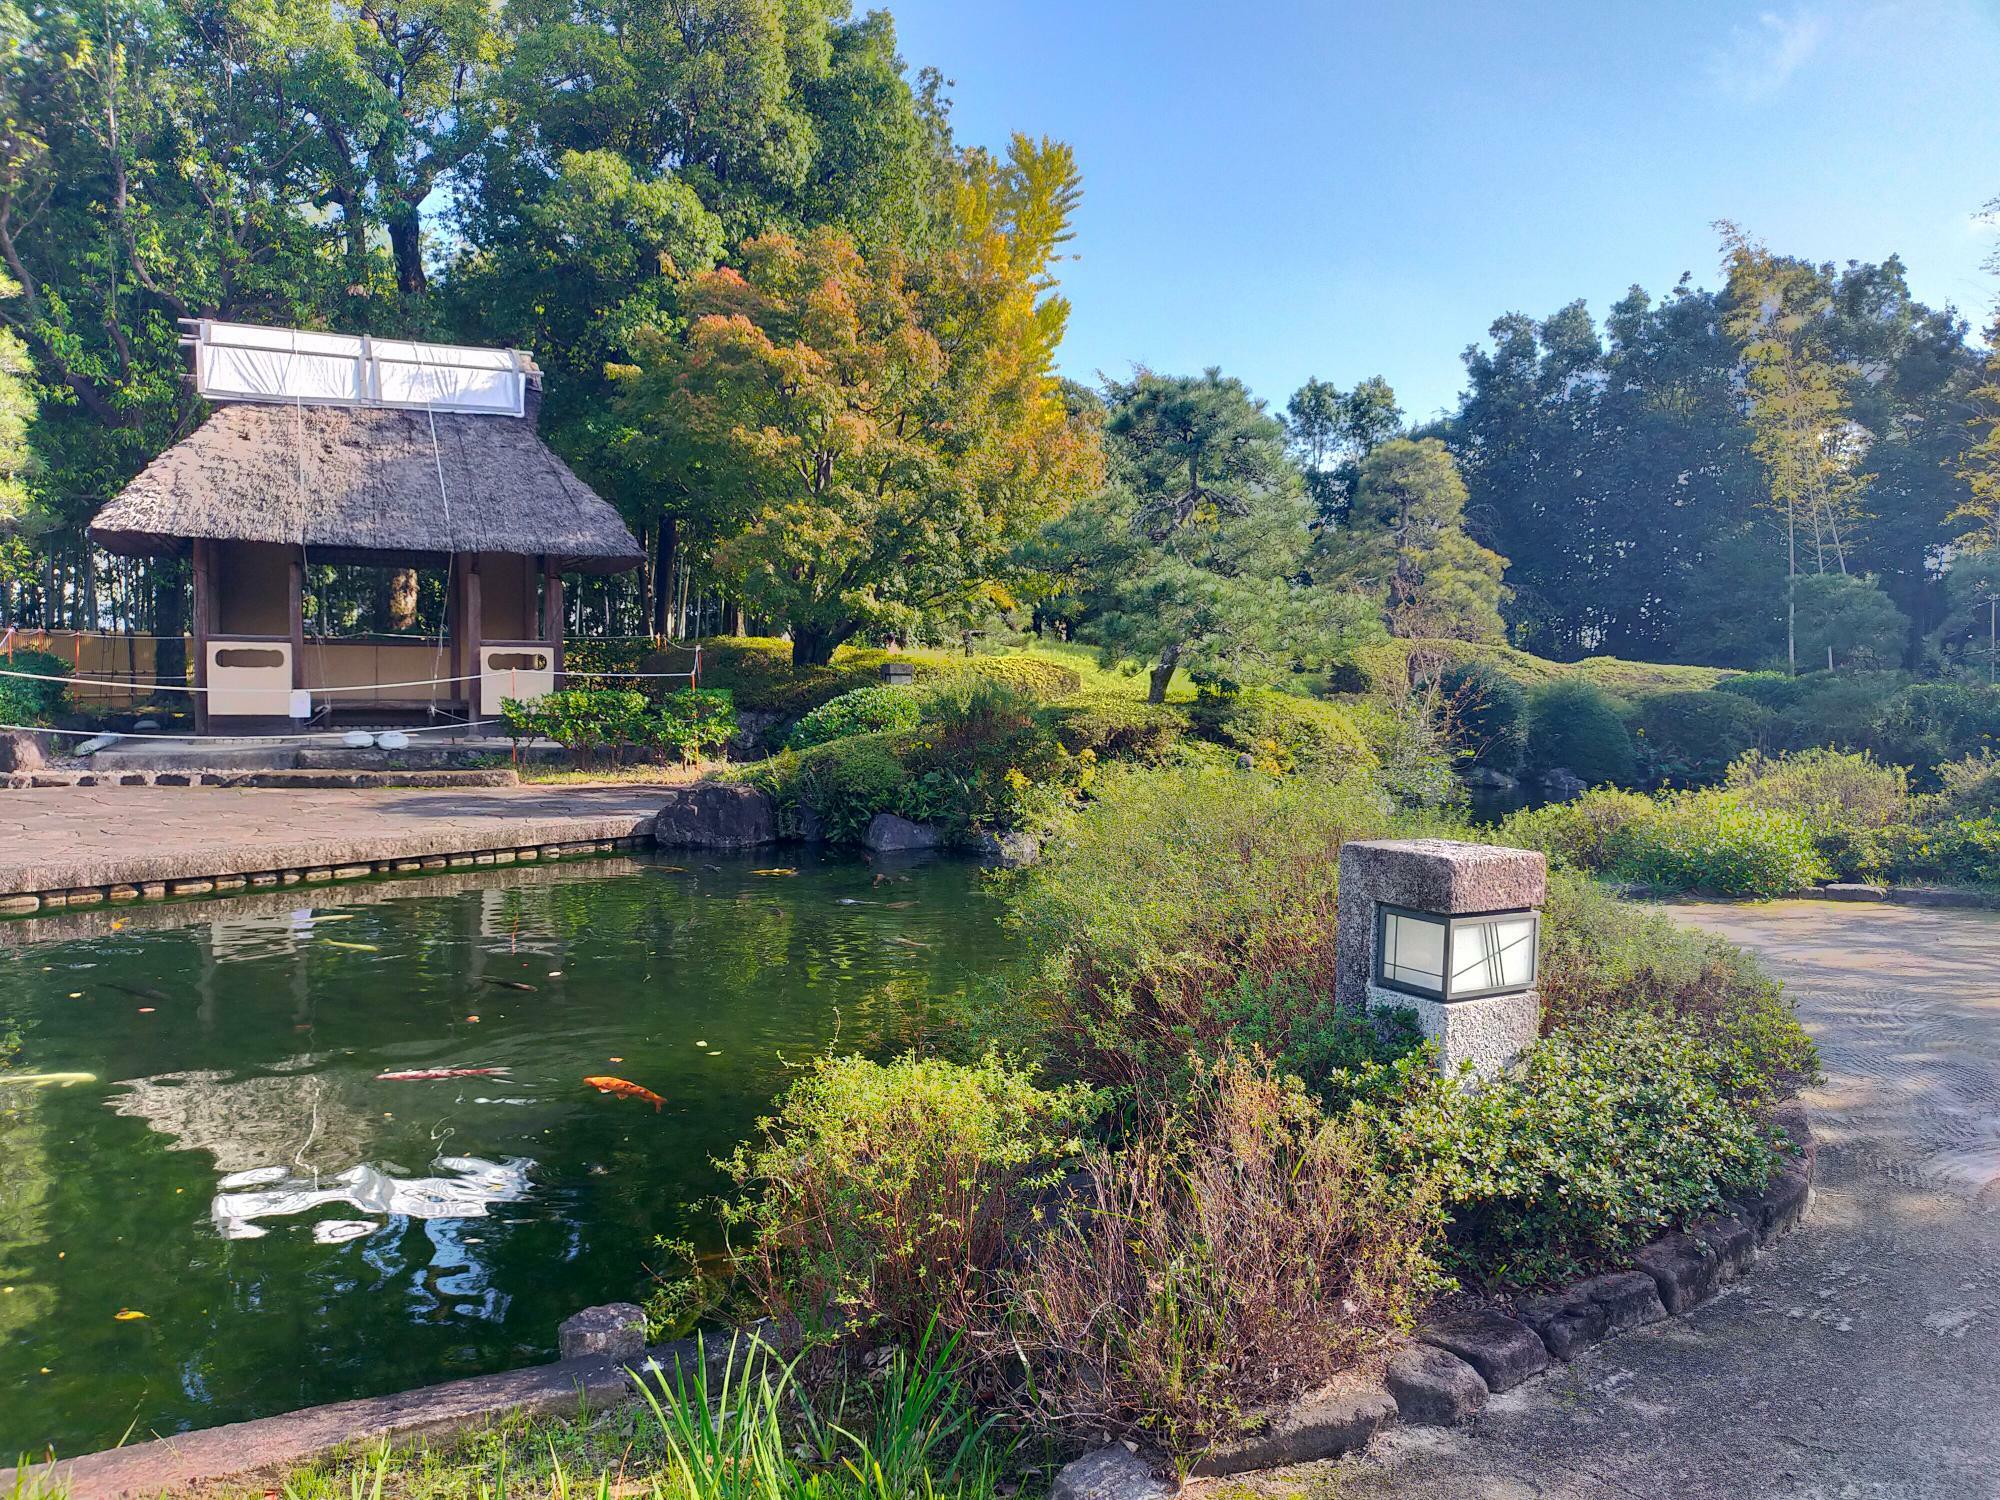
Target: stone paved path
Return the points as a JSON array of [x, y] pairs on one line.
[[98, 836], [1858, 1361]]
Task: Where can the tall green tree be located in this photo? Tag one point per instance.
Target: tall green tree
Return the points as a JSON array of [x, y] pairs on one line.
[[1406, 545], [1330, 431], [1801, 432], [879, 431], [1190, 558], [1979, 512]]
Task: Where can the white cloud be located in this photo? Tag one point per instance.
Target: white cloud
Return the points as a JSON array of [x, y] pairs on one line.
[[1759, 60]]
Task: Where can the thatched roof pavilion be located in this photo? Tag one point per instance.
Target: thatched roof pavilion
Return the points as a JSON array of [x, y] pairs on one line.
[[327, 448], [363, 485]]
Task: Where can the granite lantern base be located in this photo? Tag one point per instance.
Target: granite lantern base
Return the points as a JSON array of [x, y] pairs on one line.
[[1445, 930]]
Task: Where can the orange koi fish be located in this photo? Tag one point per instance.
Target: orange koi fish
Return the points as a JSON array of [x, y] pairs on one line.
[[624, 1088]]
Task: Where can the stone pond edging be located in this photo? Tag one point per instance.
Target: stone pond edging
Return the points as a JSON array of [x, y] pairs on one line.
[[1445, 1374], [728, 815]]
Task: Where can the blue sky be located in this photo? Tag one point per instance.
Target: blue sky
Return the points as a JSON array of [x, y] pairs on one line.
[[1343, 189]]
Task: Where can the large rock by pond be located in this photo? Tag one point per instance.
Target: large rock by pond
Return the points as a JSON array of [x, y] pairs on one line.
[[21, 751], [715, 815], [1111, 1473], [889, 834]]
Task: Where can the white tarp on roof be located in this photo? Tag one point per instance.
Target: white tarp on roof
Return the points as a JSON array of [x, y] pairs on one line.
[[243, 362]]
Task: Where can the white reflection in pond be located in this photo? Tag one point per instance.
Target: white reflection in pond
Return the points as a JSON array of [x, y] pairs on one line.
[[473, 1186]]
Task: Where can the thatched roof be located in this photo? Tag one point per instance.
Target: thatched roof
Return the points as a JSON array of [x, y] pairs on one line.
[[362, 483]]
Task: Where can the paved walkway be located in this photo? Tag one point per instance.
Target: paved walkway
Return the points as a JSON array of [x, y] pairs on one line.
[[71, 837], [1858, 1359]]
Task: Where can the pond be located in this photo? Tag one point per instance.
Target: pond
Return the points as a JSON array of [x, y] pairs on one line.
[[297, 1224]]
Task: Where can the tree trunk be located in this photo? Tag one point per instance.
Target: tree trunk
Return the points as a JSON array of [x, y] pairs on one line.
[[1162, 675], [406, 244], [814, 645], [666, 555]]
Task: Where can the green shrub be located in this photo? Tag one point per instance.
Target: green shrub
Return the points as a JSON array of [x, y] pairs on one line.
[[1928, 723], [1848, 799], [1694, 736], [584, 721], [1241, 1249], [1282, 732], [1970, 787], [1115, 728], [1601, 1140], [868, 710], [1603, 957], [1582, 832], [1488, 713], [30, 700], [1715, 842], [1950, 851], [689, 723], [1031, 676], [876, 1199], [1573, 726], [840, 785], [759, 675], [1177, 902]]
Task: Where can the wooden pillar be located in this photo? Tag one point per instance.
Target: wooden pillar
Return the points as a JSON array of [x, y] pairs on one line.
[[552, 611], [470, 631], [204, 625], [297, 609]]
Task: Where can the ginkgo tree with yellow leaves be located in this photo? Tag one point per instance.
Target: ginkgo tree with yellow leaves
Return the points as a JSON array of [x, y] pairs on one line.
[[871, 434]]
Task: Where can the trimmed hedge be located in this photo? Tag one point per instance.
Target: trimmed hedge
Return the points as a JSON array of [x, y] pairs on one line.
[[758, 671], [1574, 727], [1695, 736], [868, 710], [1282, 732], [1114, 728]]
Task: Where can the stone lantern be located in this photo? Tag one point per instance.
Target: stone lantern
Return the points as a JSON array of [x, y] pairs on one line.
[[899, 673], [1450, 931]]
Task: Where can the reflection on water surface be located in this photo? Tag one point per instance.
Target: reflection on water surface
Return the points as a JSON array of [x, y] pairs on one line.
[[297, 1227]]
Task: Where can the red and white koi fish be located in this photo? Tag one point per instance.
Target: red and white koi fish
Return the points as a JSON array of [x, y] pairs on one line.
[[432, 1075]]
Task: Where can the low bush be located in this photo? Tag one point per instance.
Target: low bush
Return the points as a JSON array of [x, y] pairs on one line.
[[1574, 727], [758, 673], [1603, 957], [1929, 723], [1950, 851], [1118, 728], [33, 700], [1714, 842], [1582, 832], [589, 722], [1033, 677], [1240, 1250], [1178, 902], [1599, 1141], [1488, 713], [868, 710], [1693, 737], [1282, 732], [875, 1201], [1847, 798], [837, 787], [1969, 787]]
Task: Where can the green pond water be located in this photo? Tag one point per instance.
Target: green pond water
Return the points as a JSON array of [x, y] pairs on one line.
[[295, 1228]]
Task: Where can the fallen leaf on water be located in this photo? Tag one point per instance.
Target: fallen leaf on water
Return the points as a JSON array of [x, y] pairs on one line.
[[555, 973], [473, 1019], [117, 923], [127, 1314], [356, 947], [76, 994], [333, 916], [774, 872], [145, 1010], [614, 1059]]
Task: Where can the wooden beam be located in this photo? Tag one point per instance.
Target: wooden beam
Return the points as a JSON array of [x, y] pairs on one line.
[[473, 644], [296, 592], [204, 625], [552, 611]]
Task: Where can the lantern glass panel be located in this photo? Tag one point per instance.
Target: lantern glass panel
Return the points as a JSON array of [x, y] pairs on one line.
[[1490, 954], [1413, 951]]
